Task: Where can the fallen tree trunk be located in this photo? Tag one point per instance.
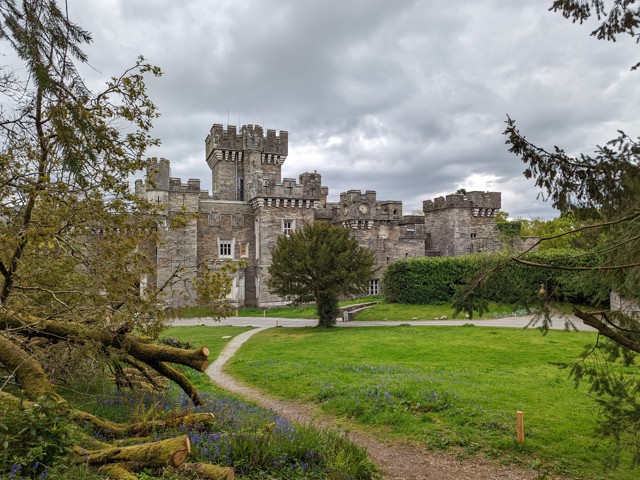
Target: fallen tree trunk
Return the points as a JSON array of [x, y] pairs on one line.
[[179, 378], [206, 471], [28, 372], [117, 471], [143, 428], [171, 451], [114, 429], [140, 349], [117, 462]]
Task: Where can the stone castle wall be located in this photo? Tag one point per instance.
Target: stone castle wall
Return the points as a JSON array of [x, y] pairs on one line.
[[250, 206]]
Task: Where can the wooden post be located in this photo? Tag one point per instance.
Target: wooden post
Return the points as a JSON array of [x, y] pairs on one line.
[[236, 312], [264, 313], [277, 323], [520, 426]]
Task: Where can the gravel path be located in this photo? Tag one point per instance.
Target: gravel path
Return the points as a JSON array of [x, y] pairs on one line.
[[398, 460], [507, 322]]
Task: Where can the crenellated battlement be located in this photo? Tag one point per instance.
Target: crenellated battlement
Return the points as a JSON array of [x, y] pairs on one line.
[[264, 187], [483, 204], [158, 173], [192, 185], [227, 144]]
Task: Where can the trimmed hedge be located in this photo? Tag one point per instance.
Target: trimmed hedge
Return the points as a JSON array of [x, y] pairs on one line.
[[432, 280]]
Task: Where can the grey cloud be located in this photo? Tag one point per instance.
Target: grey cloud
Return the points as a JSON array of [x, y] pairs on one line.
[[407, 98]]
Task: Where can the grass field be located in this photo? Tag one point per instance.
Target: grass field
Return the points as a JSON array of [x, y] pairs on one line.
[[382, 311], [447, 387]]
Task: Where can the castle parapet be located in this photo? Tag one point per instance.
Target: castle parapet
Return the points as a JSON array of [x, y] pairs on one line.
[[192, 185], [158, 172], [223, 143], [265, 189], [483, 204]]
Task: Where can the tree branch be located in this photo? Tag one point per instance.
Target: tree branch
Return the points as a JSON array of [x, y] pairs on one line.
[[599, 325]]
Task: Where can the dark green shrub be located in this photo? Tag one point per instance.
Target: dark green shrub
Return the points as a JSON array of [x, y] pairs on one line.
[[432, 280], [427, 280]]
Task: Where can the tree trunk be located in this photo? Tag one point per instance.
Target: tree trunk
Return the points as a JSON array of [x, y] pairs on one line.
[[206, 471], [117, 471], [143, 428], [29, 373], [142, 350], [139, 348], [172, 451], [604, 329]]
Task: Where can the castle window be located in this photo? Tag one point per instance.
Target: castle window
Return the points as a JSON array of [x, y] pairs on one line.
[[225, 248], [244, 249], [374, 287], [288, 226], [474, 235]]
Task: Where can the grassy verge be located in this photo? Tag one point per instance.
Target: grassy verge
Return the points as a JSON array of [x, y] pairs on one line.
[[455, 387], [255, 441], [382, 311], [399, 312]]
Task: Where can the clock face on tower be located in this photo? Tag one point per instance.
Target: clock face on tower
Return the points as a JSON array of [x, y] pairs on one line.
[[363, 208]]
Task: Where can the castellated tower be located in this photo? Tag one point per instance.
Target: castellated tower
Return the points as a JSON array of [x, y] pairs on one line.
[[462, 223], [235, 157]]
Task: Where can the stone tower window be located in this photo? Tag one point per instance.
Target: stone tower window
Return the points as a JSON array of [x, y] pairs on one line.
[[288, 226], [474, 235], [225, 248], [374, 287]]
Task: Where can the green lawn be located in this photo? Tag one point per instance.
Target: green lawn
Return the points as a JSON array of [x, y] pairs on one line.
[[400, 312], [382, 311], [456, 387]]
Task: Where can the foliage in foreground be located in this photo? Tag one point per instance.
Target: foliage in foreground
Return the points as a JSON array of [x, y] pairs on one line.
[[603, 190], [255, 441], [75, 241]]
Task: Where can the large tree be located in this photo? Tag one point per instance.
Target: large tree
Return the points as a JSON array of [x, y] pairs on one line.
[[320, 263], [72, 234], [602, 192]]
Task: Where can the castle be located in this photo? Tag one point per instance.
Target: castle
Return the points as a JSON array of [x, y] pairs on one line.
[[251, 205]]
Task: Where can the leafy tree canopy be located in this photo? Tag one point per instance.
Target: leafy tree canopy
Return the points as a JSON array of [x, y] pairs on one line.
[[598, 195], [74, 238], [319, 263]]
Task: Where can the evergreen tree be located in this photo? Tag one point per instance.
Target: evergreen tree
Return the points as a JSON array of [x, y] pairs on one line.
[[601, 192], [319, 263]]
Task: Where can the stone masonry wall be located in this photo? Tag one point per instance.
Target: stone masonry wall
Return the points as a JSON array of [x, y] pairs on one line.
[[269, 224], [250, 205]]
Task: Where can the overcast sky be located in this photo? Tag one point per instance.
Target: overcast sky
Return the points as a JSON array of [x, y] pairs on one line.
[[404, 97]]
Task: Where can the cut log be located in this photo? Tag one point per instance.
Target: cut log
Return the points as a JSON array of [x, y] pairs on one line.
[[140, 348], [206, 471], [143, 428], [117, 471], [172, 451]]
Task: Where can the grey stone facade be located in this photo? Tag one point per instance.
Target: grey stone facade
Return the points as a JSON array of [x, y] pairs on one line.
[[251, 205]]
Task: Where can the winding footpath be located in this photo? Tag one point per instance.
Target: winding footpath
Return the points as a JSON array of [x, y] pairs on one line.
[[397, 460]]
